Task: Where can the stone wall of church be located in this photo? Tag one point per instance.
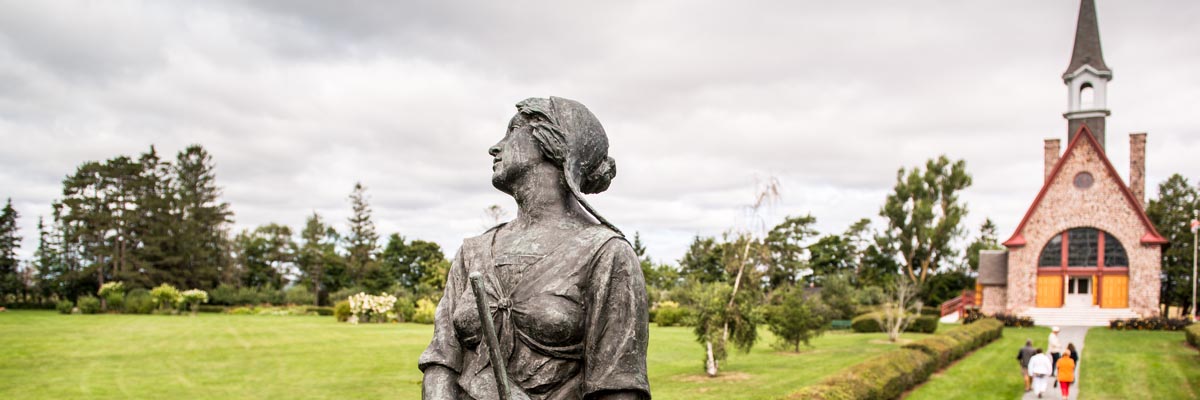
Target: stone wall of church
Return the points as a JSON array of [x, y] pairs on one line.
[[994, 300], [1102, 206]]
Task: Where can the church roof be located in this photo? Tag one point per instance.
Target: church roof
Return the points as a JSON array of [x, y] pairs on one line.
[[1085, 136], [1087, 40]]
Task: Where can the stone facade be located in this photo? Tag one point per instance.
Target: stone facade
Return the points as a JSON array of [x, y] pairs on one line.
[[1137, 167], [1105, 206], [994, 300]]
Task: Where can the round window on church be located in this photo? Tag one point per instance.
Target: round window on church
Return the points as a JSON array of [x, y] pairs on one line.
[[1083, 180]]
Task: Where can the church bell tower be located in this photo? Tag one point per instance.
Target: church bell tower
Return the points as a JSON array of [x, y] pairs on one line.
[[1087, 77]]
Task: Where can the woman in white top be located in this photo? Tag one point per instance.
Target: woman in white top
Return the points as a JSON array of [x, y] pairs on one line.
[[1040, 369]]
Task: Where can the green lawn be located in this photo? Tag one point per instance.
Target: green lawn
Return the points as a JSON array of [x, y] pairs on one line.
[[1139, 365], [44, 355], [991, 372]]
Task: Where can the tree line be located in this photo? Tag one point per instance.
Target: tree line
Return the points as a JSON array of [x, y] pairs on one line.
[[147, 221]]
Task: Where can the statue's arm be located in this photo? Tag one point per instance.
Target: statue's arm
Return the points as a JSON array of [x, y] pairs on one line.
[[443, 357], [440, 383], [617, 334]]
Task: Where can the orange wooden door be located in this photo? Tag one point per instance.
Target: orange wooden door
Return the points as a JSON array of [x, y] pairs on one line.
[[1049, 291], [1116, 292]]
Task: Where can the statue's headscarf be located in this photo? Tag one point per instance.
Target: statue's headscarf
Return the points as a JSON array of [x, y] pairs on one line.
[[572, 138]]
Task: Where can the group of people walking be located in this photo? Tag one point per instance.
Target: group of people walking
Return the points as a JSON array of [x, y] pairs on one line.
[[1056, 364]]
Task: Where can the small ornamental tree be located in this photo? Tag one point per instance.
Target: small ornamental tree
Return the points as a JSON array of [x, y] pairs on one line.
[[193, 298], [113, 292], [794, 318], [713, 314], [900, 308], [165, 296]]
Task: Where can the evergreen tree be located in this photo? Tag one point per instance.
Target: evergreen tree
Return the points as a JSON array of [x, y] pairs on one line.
[[265, 256], [361, 238], [10, 281], [987, 240], [203, 220], [787, 243], [1171, 213], [412, 263], [320, 265], [831, 255], [156, 225], [703, 261]]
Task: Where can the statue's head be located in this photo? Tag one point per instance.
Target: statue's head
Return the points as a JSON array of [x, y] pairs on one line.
[[559, 133]]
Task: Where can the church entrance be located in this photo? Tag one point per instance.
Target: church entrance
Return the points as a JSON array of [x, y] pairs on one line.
[[1079, 292]]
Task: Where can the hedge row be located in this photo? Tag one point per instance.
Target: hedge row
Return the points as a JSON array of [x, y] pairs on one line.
[[1193, 334], [866, 323], [1150, 324], [1008, 319], [957, 342], [888, 375]]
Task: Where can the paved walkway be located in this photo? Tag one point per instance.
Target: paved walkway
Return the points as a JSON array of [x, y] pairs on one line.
[[1068, 334]]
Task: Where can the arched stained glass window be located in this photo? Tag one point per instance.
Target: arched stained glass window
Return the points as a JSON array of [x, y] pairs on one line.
[[1114, 253], [1052, 253], [1083, 250]]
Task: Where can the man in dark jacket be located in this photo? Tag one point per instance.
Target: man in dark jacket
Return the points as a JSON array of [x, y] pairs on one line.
[[1023, 357]]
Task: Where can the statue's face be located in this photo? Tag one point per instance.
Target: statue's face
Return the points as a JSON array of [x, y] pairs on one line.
[[514, 155]]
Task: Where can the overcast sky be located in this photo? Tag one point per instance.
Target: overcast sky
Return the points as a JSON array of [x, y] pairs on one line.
[[297, 100]]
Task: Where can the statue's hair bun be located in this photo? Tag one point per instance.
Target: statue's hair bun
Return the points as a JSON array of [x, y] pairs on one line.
[[598, 179]]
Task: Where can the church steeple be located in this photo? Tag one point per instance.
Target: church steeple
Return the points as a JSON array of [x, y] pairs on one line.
[[1087, 77]]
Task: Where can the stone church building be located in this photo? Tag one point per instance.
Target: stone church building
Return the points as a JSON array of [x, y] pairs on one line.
[[1085, 252]]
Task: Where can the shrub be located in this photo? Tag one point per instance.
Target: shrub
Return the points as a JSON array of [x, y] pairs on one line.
[[225, 295], [364, 306], [242, 311], [795, 319], [425, 311], [192, 298], [322, 311], [1193, 334], [299, 295], [213, 309], [934, 311], [64, 306], [165, 296], [669, 313], [405, 308], [972, 315], [116, 302], [89, 304], [1150, 324], [924, 324], [944, 349], [867, 323], [1014, 320], [341, 311], [885, 376], [111, 288], [139, 302]]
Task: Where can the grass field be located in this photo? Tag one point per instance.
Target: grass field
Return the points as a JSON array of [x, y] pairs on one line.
[[991, 372], [1139, 365], [44, 355]]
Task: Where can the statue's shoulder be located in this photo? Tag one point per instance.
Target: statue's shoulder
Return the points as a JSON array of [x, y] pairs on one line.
[[481, 240]]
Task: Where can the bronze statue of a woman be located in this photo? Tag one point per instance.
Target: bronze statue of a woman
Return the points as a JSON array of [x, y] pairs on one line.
[[564, 289]]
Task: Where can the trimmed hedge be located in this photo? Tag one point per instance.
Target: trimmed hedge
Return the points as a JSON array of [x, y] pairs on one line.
[[866, 323], [208, 308], [1193, 334], [1007, 319], [885, 376], [888, 375], [1150, 324]]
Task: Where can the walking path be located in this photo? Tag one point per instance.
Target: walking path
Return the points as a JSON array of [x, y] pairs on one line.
[[1068, 334]]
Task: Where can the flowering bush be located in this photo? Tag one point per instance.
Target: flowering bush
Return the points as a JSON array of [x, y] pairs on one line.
[[1149, 324], [364, 306], [112, 288], [165, 296], [193, 298]]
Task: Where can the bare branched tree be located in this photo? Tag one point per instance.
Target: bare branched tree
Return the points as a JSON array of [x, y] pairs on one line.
[[900, 308]]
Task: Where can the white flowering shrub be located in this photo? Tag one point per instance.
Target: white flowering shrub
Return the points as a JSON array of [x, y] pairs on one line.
[[364, 307], [165, 296], [193, 298]]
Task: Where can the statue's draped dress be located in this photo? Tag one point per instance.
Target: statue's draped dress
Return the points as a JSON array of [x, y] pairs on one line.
[[571, 321]]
